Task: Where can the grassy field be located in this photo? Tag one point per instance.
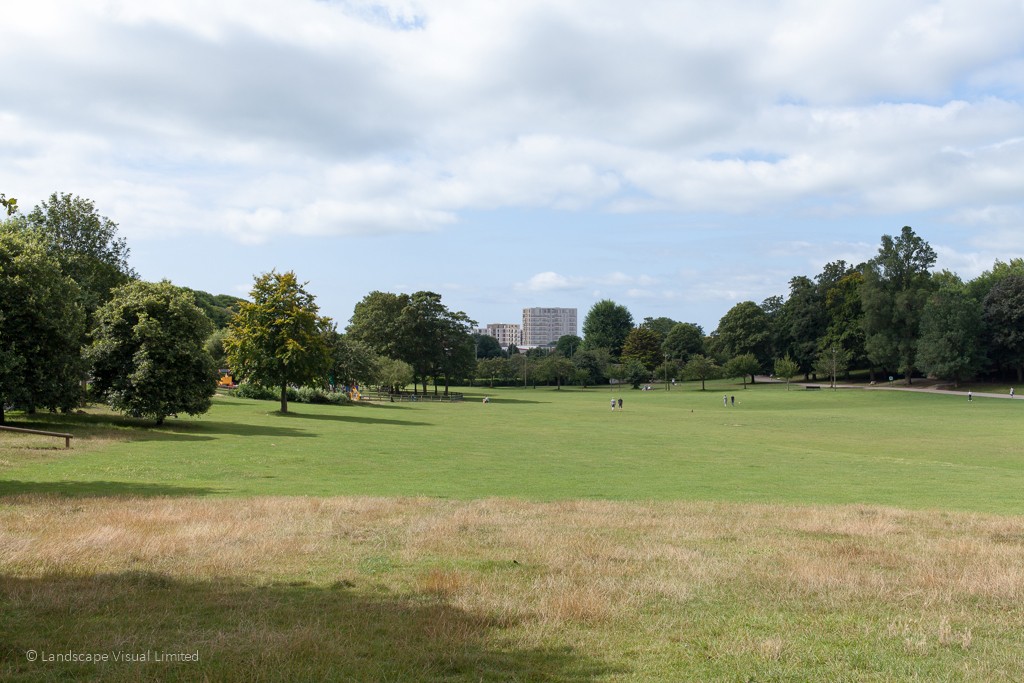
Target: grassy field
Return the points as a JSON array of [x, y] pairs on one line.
[[851, 535], [889, 448]]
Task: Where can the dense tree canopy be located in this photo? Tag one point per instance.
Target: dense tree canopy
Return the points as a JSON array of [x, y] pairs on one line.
[[85, 243], [643, 344], [950, 336], [148, 352], [278, 339], [683, 340], [41, 326], [606, 327], [1003, 310], [897, 283], [745, 328]]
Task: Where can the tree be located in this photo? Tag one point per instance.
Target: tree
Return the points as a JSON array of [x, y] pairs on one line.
[[644, 345], [10, 205], [41, 326], [897, 283], [803, 318], [606, 327], [377, 322], [787, 368], [702, 368], [487, 347], [832, 362], [85, 244], [661, 325], [214, 346], [743, 365], [554, 367], [683, 341], [635, 373], [219, 308], [148, 352], [351, 362], [590, 366], [745, 328], [950, 346], [844, 313], [1004, 315], [567, 345], [278, 339], [433, 335], [394, 374]]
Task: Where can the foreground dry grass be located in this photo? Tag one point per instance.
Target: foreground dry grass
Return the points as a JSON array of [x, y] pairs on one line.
[[365, 588]]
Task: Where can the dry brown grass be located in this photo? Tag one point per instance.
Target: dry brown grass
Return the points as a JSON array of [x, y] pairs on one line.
[[922, 582]]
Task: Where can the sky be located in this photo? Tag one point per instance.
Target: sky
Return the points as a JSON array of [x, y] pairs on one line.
[[676, 157]]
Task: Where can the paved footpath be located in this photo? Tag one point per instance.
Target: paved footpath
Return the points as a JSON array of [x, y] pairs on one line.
[[894, 387]]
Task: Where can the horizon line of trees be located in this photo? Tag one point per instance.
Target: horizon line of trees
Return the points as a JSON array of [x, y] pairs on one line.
[[72, 310]]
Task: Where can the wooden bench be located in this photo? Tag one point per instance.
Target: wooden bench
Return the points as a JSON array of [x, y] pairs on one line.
[[67, 437]]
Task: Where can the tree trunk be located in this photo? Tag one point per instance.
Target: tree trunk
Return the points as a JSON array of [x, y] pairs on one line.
[[284, 398], [1, 410]]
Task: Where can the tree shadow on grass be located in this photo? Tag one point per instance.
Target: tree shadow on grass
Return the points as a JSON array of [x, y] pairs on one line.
[[358, 419], [98, 489], [280, 632]]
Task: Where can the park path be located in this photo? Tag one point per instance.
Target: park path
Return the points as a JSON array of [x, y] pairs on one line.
[[929, 389]]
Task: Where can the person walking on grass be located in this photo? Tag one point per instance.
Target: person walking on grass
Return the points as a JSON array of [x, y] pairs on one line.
[[620, 404], [725, 400], [1011, 392], [970, 396], [613, 404]]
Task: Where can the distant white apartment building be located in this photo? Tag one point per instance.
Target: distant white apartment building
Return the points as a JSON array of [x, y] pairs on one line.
[[543, 326], [505, 333]]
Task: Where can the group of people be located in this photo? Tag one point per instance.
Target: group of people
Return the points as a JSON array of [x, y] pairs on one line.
[[619, 402], [726, 400]]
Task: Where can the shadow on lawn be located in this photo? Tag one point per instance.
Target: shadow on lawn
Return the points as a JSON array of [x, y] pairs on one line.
[[244, 632], [100, 489], [357, 419]]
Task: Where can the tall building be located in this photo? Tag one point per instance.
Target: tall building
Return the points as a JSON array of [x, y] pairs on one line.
[[543, 326], [505, 333]]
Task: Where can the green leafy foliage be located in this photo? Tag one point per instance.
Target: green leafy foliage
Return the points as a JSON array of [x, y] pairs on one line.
[[278, 339], [41, 327], [149, 352], [606, 327], [85, 244]]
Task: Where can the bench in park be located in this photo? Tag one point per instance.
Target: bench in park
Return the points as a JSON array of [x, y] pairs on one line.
[[67, 437], [811, 387]]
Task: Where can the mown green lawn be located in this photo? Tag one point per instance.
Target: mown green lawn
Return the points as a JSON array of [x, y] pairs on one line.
[[901, 449]]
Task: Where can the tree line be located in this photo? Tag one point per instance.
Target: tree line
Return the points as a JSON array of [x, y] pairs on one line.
[[76, 322]]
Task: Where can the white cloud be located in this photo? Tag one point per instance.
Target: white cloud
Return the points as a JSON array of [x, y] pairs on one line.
[[270, 118]]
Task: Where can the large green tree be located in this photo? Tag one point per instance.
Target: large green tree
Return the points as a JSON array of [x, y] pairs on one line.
[[148, 352], [746, 328], [803, 321], [683, 340], [606, 327], [644, 345], [1004, 315], [950, 346], [897, 283], [41, 326], [85, 243], [702, 368], [278, 339]]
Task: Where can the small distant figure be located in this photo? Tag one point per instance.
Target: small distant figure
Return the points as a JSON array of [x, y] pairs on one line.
[[487, 399], [613, 404], [732, 399], [1011, 392], [725, 400], [620, 404], [970, 396]]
